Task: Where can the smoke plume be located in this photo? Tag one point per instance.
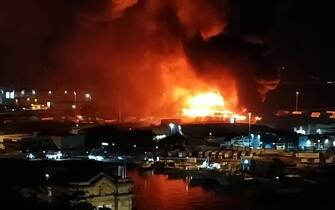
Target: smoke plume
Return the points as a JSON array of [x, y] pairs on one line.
[[135, 54]]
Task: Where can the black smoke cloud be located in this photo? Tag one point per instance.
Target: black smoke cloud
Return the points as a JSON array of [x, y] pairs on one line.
[[112, 47]]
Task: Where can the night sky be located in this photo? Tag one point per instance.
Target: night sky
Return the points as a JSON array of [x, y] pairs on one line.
[[46, 45]]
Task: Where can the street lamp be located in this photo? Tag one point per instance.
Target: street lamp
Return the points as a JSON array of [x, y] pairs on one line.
[[296, 100], [75, 96], [249, 127]]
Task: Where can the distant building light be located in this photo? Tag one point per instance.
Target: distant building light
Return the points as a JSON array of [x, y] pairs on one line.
[[318, 140], [73, 106], [28, 99], [210, 133], [96, 157], [258, 118], [315, 114], [16, 100], [300, 131], [297, 112], [49, 92], [113, 144], [156, 147], [104, 143], [35, 100], [134, 145], [326, 141], [171, 125], [33, 92], [159, 137], [22, 92], [308, 143], [246, 161], [318, 131], [88, 96], [30, 156], [48, 104], [65, 91], [333, 143], [9, 95], [47, 176]]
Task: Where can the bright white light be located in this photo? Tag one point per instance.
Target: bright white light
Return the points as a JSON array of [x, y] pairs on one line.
[[259, 136], [157, 158], [99, 158], [301, 131], [171, 125], [277, 177], [159, 137], [246, 161], [47, 176], [333, 143], [318, 131], [95, 157], [134, 145], [33, 92], [7, 95], [88, 96], [48, 104], [232, 120], [65, 91], [28, 99], [22, 92], [49, 92], [210, 133], [308, 142], [326, 141], [156, 147], [74, 106], [16, 100], [35, 100], [30, 156], [56, 156], [113, 144], [319, 141], [104, 143]]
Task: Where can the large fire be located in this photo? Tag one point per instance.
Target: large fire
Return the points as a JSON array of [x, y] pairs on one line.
[[203, 104], [209, 104]]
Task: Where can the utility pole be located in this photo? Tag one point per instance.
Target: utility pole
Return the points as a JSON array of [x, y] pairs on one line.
[[296, 100]]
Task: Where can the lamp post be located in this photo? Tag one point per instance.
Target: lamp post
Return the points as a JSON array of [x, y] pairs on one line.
[[75, 96], [249, 127], [296, 100]]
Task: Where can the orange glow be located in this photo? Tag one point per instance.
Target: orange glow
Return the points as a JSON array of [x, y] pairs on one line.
[[203, 104], [208, 104]]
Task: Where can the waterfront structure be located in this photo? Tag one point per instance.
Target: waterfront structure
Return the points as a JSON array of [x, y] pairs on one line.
[[102, 191]]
